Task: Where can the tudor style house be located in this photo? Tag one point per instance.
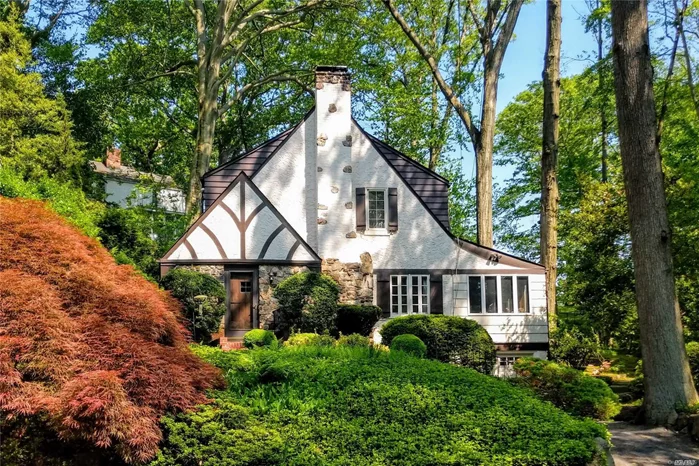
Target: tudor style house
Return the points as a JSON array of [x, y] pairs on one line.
[[326, 195]]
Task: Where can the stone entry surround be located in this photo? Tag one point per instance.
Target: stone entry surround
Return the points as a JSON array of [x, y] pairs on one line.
[[356, 282]]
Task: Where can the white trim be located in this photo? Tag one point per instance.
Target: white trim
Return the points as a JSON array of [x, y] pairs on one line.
[[423, 298], [376, 231]]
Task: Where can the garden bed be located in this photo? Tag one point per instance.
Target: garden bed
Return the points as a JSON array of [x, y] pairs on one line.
[[361, 406]]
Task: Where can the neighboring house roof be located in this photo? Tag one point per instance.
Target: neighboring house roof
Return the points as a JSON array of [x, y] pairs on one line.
[[431, 188], [130, 174]]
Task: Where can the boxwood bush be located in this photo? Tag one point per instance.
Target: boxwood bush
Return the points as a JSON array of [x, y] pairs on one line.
[[309, 339], [571, 390], [448, 339], [352, 318], [354, 340], [409, 344], [307, 303], [260, 338], [314, 405]]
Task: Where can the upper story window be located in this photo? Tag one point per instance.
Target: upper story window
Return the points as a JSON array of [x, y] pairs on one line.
[[498, 294], [410, 294], [376, 209]]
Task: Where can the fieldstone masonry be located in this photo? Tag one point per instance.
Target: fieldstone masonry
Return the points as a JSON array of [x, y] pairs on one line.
[[356, 279]]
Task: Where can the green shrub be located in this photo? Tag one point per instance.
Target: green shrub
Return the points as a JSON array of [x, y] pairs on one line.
[[693, 356], [574, 348], [353, 318], [409, 344], [354, 340], [309, 339], [448, 339], [307, 303], [571, 390], [185, 285], [260, 338], [340, 405]]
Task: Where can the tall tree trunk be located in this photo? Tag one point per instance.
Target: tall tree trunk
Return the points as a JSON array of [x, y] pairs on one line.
[[484, 158], [549, 155], [604, 125], [666, 371]]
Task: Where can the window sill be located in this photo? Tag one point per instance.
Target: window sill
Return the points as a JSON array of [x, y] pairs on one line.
[[376, 233]]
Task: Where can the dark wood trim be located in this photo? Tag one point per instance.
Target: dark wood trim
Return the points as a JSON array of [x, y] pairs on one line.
[[392, 202], [190, 249], [268, 241], [254, 213], [243, 223], [175, 262], [293, 249], [522, 347], [360, 208], [232, 214], [243, 180], [215, 240], [281, 218]]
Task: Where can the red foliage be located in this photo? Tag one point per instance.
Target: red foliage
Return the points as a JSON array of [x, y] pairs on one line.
[[90, 345]]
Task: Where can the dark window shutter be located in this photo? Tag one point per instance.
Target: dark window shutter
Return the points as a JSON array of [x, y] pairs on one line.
[[360, 208], [392, 209]]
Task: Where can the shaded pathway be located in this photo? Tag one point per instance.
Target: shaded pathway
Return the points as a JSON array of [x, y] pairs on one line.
[[640, 445]]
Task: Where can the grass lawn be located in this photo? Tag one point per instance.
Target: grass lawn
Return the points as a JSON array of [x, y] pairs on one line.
[[360, 406]]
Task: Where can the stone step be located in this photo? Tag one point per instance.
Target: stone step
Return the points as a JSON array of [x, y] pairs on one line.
[[228, 344]]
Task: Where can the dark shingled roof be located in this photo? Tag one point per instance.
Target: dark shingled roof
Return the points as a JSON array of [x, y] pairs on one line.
[[431, 188]]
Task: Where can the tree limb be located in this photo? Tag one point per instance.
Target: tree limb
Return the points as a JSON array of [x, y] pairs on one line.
[[446, 89]]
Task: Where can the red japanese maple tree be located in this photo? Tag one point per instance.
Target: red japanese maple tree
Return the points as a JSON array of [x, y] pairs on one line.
[[91, 348]]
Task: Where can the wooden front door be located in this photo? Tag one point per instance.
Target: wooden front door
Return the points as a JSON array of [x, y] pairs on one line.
[[240, 287]]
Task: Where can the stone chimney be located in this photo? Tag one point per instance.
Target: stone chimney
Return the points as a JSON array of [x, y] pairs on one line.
[[113, 158], [334, 158]]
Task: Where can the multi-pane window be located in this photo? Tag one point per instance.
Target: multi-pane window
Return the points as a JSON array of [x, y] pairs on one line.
[[492, 294], [410, 294], [376, 200], [246, 287], [505, 365]]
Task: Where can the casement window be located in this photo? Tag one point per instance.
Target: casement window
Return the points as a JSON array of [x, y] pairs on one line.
[[498, 294], [410, 294], [377, 210]]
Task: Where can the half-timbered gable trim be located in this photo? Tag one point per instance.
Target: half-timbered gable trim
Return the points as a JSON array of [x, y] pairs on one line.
[[241, 225]]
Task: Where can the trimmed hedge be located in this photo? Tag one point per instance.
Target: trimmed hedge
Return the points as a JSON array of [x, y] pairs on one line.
[[574, 348], [184, 285], [259, 338], [359, 319], [409, 344], [354, 340], [569, 389], [309, 339], [448, 339], [365, 407], [307, 303]]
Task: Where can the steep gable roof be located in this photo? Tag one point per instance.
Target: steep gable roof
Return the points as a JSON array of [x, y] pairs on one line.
[[430, 187], [242, 225]]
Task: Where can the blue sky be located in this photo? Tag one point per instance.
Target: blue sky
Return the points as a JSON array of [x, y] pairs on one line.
[[524, 60]]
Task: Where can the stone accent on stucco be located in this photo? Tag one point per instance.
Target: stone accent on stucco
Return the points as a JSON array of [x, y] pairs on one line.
[[269, 277], [355, 279], [215, 271]]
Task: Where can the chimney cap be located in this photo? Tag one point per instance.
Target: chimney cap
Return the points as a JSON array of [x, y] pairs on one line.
[[331, 68]]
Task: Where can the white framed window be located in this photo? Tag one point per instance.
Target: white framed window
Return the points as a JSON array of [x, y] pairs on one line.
[[504, 366], [376, 209], [410, 294], [498, 294]]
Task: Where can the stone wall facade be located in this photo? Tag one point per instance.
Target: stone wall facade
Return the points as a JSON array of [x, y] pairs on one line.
[[216, 271], [269, 277], [356, 279]]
